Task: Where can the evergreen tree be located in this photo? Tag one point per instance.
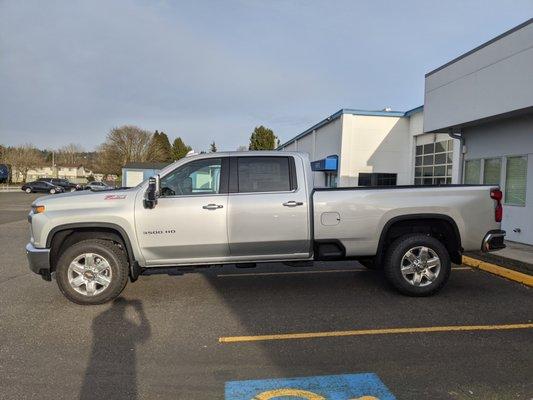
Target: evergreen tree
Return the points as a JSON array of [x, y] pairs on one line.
[[213, 147], [262, 138], [179, 149]]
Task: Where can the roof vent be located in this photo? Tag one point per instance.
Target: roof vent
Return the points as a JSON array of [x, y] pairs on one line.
[[387, 109]]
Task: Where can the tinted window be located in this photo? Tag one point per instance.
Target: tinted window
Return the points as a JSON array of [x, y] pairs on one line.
[[264, 174], [196, 177]]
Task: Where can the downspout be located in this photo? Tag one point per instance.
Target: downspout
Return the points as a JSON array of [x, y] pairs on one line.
[[457, 133]]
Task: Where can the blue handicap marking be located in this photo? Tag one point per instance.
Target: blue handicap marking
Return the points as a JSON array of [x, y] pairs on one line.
[[330, 387]]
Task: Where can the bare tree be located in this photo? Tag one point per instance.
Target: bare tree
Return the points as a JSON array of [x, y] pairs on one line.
[[70, 154], [242, 148], [125, 144], [21, 159]]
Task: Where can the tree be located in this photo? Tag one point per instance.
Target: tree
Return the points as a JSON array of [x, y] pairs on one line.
[[242, 148], [160, 149], [71, 154], [213, 147], [21, 159], [125, 144], [262, 138], [179, 149]]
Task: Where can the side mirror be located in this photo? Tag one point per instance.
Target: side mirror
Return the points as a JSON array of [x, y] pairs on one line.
[[152, 193]]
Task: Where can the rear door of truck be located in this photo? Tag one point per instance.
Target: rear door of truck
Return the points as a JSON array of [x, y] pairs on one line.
[[268, 210]]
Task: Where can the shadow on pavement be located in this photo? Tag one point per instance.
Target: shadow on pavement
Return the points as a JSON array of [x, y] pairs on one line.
[[111, 373]]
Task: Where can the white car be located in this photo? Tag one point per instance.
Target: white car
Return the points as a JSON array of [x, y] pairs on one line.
[[97, 186]]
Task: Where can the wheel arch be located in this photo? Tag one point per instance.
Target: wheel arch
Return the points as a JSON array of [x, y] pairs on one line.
[[441, 226], [68, 234]]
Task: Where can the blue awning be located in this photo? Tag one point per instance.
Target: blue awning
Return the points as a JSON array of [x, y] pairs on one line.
[[330, 163]]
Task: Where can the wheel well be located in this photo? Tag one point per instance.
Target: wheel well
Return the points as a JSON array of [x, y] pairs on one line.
[[67, 237], [443, 229]]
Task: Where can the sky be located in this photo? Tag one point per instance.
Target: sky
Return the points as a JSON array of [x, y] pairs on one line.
[[213, 70]]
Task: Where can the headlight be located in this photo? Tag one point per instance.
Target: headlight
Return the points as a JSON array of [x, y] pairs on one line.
[[37, 209]]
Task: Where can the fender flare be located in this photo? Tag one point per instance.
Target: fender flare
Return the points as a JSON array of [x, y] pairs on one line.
[[392, 221], [134, 265]]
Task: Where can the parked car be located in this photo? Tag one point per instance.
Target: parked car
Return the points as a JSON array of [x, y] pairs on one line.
[[96, 185], [245, 208], [42, 187], [64, 183]]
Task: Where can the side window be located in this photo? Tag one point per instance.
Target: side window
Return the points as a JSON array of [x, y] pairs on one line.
[[264, 174], [472, 172], [194, 178]]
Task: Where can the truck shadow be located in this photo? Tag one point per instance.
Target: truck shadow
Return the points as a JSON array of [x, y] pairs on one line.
[[111, 372]]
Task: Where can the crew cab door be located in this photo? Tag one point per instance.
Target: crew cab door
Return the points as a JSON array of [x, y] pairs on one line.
[[268, 210], [188, 224]]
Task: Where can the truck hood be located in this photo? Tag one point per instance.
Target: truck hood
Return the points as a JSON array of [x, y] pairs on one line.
[[86, 199]]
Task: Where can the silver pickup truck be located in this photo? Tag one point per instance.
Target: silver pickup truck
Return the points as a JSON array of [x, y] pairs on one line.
[[245, 208]]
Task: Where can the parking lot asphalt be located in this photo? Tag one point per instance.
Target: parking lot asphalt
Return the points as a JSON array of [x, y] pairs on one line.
[[162, 338]]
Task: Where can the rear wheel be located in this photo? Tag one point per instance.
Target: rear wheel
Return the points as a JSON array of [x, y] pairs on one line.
[[28, 190], [92, 271], [52, 191], [417, 265]]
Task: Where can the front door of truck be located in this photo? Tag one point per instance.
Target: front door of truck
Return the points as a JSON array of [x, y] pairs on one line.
[[268, 210], [188, 224]]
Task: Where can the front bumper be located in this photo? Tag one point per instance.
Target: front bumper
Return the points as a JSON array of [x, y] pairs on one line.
[[39, 260], [493, 240]]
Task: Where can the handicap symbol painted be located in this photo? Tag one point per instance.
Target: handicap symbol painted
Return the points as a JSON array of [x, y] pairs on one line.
[[330, 387]]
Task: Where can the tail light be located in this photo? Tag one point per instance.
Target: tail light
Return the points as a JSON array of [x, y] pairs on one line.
[[496, 194]]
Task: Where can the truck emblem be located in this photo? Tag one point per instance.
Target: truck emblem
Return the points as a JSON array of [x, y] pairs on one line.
[[115, 197]]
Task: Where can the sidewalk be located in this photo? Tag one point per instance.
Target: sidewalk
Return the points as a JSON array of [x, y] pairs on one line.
[[516, 256]]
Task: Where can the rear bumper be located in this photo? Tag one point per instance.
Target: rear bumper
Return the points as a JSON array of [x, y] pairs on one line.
[[493, 240], [39, 261]]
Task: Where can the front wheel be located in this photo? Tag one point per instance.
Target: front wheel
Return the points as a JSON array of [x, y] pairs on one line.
[[28, 190], [417, 265], [52, 191], [92, 271]]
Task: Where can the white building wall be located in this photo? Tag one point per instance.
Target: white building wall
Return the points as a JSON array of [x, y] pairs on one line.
[[512, 136], [323, 142], [375, 144], [492, 80]]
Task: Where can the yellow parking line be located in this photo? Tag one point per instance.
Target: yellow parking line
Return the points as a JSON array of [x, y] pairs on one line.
[[361, 332], [498, 270]]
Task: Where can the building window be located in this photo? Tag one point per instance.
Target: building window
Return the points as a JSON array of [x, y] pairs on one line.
[[377, 179], [472, 172], [331, 179], [515, 181], [491, 171], [433, 163]]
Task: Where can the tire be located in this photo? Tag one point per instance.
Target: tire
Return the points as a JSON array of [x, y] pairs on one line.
[[28, 190], [52, 191], [116, 271], [411, 247]]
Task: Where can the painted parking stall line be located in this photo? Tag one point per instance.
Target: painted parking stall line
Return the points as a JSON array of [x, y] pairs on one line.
[[365, 386], [382, 331]]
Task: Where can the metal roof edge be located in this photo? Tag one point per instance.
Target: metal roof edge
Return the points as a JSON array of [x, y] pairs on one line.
[[351, 111], [506, 33]]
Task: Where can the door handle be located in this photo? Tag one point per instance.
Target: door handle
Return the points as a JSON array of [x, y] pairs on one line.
[[212, 206], [293, 203]]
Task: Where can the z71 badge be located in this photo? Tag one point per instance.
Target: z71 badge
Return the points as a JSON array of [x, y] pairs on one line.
[[115, 197]]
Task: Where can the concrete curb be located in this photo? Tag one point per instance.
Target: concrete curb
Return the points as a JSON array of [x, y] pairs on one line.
[[499, 270]]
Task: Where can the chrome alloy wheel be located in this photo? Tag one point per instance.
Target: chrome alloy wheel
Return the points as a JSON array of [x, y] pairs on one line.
[[89, 274], [420, 266]]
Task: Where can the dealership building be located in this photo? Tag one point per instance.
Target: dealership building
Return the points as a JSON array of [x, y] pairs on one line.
[[476, 126]]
